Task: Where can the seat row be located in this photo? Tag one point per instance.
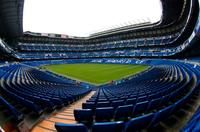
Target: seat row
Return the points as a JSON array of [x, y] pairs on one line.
[[164, 40]]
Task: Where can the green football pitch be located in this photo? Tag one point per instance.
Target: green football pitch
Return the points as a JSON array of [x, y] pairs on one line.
[[96, 73]]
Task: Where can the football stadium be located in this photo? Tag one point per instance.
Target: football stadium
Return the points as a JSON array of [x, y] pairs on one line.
[[141, 75]]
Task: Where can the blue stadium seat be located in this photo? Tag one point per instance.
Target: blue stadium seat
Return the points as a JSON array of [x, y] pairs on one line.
[[140, 108], [123, 112], [83, 115], [88, 105], [154, 104], [108, 127], [131, 101], [142, 98], [161, 115], [138, 123], [117, 103], [103, 104], [104, 114], [165, 100], [61, 127]]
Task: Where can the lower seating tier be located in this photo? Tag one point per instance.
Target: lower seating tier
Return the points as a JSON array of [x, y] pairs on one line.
[[139, 103], [25, 90]]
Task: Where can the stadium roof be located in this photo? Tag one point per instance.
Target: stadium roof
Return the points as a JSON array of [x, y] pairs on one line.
[[12, 22]]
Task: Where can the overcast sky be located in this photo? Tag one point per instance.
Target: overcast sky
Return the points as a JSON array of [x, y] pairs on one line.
[[83, 17]]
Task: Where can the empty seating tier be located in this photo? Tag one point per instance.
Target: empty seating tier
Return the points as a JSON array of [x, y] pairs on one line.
[[139, 103], [27, 90]]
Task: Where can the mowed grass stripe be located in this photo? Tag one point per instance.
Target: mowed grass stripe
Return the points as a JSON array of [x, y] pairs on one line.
[[96, 73], [115, 72]]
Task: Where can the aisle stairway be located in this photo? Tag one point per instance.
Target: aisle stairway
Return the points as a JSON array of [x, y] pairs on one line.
[[66, 115]]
